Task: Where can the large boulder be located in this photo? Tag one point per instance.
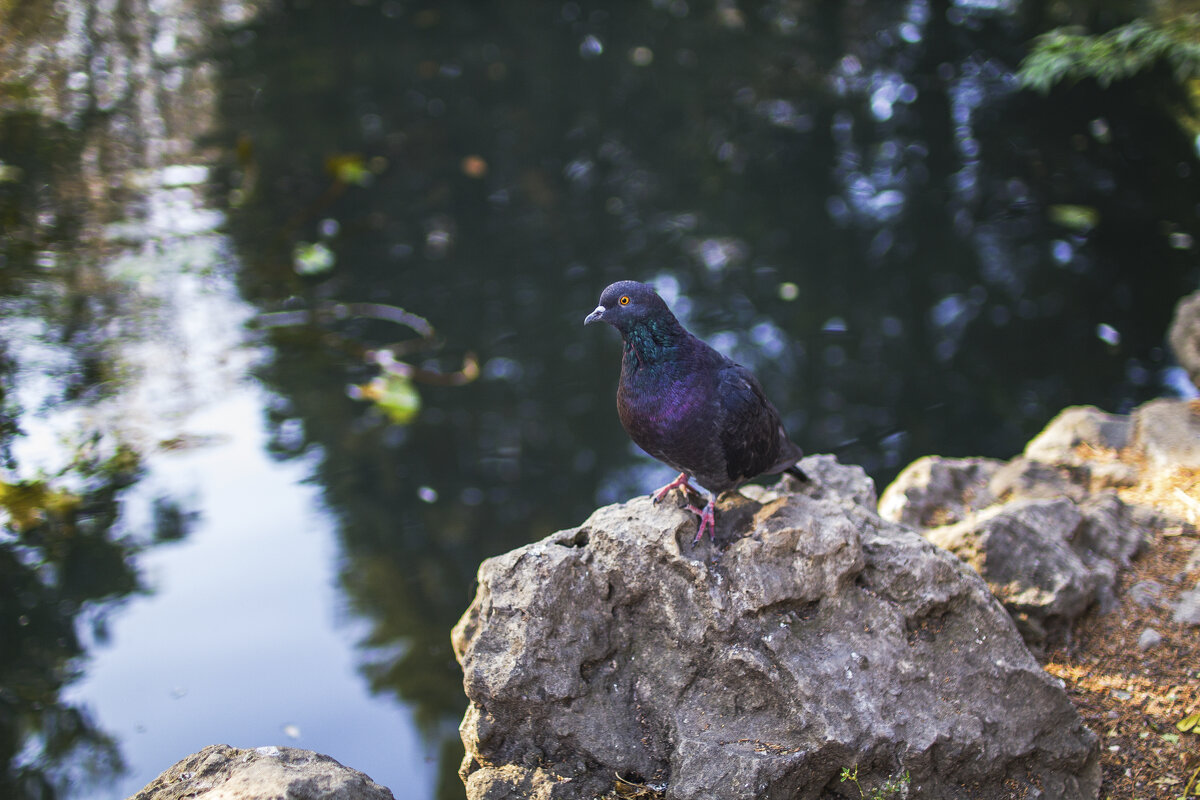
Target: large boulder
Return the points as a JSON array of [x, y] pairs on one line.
[[221, 772], [813, 637]]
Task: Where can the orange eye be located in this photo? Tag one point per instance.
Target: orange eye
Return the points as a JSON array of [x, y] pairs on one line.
[[624, 300]]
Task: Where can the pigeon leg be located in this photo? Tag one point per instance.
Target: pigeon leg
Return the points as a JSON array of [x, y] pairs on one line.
[[708, 520], [681, 481]]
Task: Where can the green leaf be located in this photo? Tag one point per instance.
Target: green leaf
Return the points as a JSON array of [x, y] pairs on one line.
[[1078, 218], [1189, 723], [396, 396], [312, 259], [349, 168]]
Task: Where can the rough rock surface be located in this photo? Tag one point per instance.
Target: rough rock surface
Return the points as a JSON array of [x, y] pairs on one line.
[[1047, 560], [221, 772], [940, 491], [1088, 426], [1048, 530], [814, 636]]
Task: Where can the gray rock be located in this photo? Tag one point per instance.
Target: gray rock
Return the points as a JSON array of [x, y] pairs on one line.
[[1023, 550], [1149, 639], [1047, 559], [831, 480], [1074, 427], [1146, 593], [1167, 433], [1113, 531], [1025, 478], [1184, 335], [935, 491], [824, 637], [221, 772], [1187, 607]]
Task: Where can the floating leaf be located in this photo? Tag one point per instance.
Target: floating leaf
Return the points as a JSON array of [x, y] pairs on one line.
[[1189, 723], [1173, 738], [312, 259], [395, 395], [473, 166], [349, 168], [1077, 218]]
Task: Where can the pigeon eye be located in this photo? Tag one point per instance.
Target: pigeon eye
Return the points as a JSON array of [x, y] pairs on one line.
[[624, 300]]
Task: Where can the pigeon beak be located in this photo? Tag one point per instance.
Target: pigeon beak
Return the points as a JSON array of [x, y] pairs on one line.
[[595, 315]]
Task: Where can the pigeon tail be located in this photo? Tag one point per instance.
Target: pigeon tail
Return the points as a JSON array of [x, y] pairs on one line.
[[797, 473]]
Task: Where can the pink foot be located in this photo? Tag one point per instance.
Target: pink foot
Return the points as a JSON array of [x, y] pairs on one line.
[[708, 521], [681, 481]]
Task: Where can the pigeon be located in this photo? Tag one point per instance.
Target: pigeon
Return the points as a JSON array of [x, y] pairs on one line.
[[689, 406]]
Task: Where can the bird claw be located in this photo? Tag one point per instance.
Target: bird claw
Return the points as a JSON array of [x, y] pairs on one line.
[[680, 482], [708, 521]]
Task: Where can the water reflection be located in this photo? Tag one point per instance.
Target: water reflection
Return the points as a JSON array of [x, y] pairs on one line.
[[854, 201], [61, 561]]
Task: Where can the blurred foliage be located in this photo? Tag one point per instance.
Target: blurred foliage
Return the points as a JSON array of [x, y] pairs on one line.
[[1068, 56], [59, 562], [28, 503], [64, 563]]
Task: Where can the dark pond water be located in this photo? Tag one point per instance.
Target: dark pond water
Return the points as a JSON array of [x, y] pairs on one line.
[[213, 536]]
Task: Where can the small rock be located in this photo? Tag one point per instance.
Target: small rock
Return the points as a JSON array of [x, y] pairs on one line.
[[1150, 638], [221, 772], [1145, 593], [1187, 608]]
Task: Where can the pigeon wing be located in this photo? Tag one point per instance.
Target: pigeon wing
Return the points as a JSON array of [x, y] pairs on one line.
[[750, 432]]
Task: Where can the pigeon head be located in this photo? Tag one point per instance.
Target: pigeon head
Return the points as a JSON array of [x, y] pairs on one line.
[[627, 304]]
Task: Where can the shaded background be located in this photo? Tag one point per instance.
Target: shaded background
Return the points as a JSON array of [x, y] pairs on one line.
[[214, 535]]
